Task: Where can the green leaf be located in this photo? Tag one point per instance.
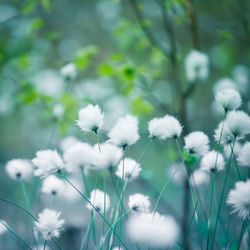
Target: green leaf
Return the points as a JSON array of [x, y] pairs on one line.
[[29, 6], [141, 106], [46, 4]]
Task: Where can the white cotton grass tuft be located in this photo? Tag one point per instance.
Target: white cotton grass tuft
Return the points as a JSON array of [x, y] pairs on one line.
[[196, 66], [153, 230], [47, 162], [244, 155], [139, 203], [177, 172], [78, 156], [67, 142], [69, 71], [173, 126], [224, 83], [49, 224], [132, 169], [99, 200], [239, 199], [199, 178], [90, 118], [212, 161], [125, 131], [3, 229], [196, 143], [19, 169], [53, 186], [108, 157], [229, 99]]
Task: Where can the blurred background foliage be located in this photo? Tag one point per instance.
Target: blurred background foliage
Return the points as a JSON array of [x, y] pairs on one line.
[[118, 67]]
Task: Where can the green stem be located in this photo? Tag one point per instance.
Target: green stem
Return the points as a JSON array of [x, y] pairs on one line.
[[86, 234], [45, 243], [98, 142], [85, 182], [145, 149], [242, 232], [57, 244], [236, 165]]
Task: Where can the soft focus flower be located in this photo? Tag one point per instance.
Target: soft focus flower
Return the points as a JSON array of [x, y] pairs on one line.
[[200, 177], [212, 161], [224, 83], [153, 230], [244, 155], [139, 203], [197, 143], [229, 99], [53, 185], [156, 128], [223, 135], [131, 169], [19, 169], [196, 66], [241, 76], [90, 118], [99, 200], [125, 131], [58, 110], [68, 142], [69, 71], [49, 223], [239, 199], [3, 229], [177, 172], [108, 157], [47, 162]]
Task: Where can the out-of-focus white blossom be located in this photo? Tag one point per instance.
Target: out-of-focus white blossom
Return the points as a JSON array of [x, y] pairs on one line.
[[69, 71], [241, 76], [58, 110], [139, 203], [244, 155], [177, 172], [200, 177], [68, 142], [212, 161], [53, 185], [3, 229], [224, 83]]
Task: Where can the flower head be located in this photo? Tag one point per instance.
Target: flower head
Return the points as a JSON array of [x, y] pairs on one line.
[[99, 200], [131, 169], [125, 131], [239, 199], [200, 177], [229, 99], [173, 126], [212, 161], [69, 71], [244, 155], [19, 169], [196, 66], [53, 185], [68, 142], [153, 230], [156, 128], [49, 223], [139, 203], [197, 143], [90, 118], [47, 162]]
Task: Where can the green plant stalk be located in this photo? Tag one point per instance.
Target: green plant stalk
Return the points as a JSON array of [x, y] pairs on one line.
[[242, 231], [85, 236], [236, 165], [85, 182], [45, 243]]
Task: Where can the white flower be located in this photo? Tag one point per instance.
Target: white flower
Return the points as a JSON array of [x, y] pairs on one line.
[[69, 71], [229, 99], [80, 155], [197, 143], [99, 200], [211, 161], [131, 169], [49, 223], [238, 123], [19, 169], [177, 172], [47, 162], [153, 230], [244, 155], [68, 142], [90, 118], [108, 157], [224, 83], [139, 203], [196, 66], [156, 128], [173, 126], [53, 185], [241, 76], [223, 135], [125, 132], [200, 177], [239, 199], [3, 229]]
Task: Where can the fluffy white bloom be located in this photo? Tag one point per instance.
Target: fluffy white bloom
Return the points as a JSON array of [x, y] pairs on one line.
[[19, 169], [125, 131], [239, 199], [49, 223], [229, 99], [156, 128], [223, 135], [53, 185], [139, 203], [244, 155], [90, 118], [211, 161], [241, 76], [153, 230], [3, 229], [238, 123], [47, 162], [224, 83], [200, 177], [197, 143], [69, 71], [99, 200], [196, 66], [80, 155], [68, 142], [131, 169], [177, 172], [108, 157]]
